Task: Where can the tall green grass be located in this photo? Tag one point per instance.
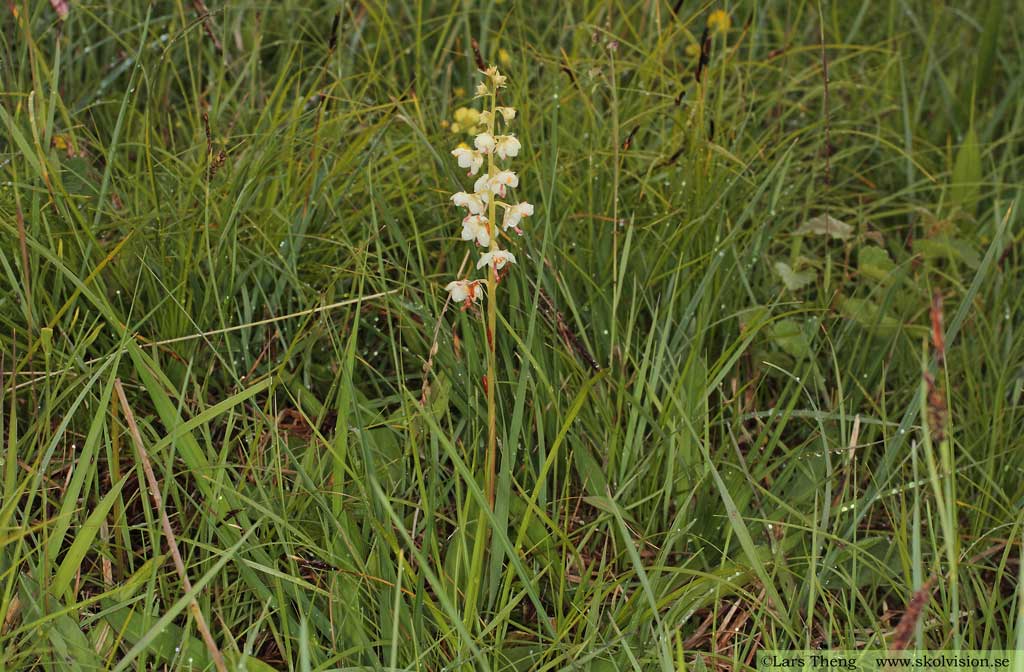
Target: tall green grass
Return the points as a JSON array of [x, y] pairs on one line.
[[715, 430]]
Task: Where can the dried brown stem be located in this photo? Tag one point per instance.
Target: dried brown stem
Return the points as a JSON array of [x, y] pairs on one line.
[[204, 15], [165, 523]]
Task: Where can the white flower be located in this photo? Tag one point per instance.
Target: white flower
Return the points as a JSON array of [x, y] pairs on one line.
[[497, 182], [506, 146], [475, 227], [481, 89], [515, 213], [481, 186], [495, 76], [465, 291], [468, 158], [475, 203], [486, 120], [508, 113], [496, 259], [485, 143]]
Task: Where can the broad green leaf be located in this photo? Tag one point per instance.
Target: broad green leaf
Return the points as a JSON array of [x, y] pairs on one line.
[[874, 262], [826, 225], [589, 470], [153, 637], [539, 539], [755, 317], [790, 337], [244, 663], [987, 48], [794, 280], [128, 587], [948, 248], [170, 643], [53, 621], [870, 316], [754, 553], [24, 146], [79, 474], [86, 533], [966, 182]]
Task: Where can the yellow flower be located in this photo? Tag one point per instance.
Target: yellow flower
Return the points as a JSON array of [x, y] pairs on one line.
[[459, 91], [693, 50], [467, 117], [504, 57], [719, 21]]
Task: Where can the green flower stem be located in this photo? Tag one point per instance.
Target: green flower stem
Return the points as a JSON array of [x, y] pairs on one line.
[[492, 320]]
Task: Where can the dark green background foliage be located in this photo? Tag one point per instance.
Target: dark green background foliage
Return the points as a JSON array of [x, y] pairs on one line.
[[758, 458]]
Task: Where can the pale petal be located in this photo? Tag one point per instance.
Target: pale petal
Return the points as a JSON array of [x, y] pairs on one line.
[[468, 158], [458, 290], [507, 146], [482, 184], [474, 227], [472, 202], [485, 143], [497, 259], [514, 214]]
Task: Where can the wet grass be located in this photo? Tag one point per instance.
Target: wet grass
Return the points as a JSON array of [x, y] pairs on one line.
[[761, 362]]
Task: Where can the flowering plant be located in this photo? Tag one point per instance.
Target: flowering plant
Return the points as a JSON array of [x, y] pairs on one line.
[[491, 191]]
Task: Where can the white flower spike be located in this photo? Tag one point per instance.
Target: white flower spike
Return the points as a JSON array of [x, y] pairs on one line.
[[478, 226]]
